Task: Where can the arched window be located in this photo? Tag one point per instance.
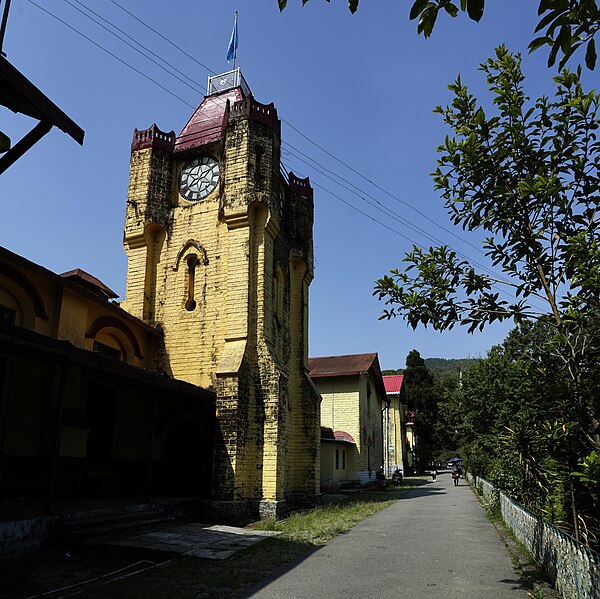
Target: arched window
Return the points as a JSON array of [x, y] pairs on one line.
[[192, 262]]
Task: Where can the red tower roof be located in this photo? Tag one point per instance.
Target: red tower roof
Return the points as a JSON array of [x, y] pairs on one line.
[[208, 122]]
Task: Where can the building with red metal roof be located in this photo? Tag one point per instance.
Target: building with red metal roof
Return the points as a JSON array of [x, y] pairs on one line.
[[400, 427], [353, 410]]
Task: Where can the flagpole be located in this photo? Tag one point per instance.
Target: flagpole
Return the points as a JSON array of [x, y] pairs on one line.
[[235, 40]]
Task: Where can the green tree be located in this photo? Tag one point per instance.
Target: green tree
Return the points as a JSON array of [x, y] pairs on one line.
[[527, 176], [423, 397], [520, 431], [567, 25]]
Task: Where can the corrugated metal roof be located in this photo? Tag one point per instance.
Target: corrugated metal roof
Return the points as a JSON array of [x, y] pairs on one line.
[[90, 281], [342, 365], [327, 434], [393, 382], [206, 124]]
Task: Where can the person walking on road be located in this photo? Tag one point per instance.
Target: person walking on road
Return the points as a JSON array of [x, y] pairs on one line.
[[455, 476], [433, 472]]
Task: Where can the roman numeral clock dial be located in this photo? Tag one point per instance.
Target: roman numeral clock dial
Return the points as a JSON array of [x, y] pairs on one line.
[[198, 178]]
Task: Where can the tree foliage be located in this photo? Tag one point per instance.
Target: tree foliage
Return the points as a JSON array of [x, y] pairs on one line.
[[516, 426], [525, 173], [423, 397], [567, 25]]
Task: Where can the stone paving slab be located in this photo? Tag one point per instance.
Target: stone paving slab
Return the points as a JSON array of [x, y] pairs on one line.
[[198, 540]]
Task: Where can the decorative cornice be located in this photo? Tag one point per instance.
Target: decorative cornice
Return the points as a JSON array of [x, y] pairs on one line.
[[237, 220]]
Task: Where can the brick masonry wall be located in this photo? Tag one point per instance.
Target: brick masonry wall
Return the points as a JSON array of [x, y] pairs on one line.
[[345, 407], [572, 568], [243, 337]]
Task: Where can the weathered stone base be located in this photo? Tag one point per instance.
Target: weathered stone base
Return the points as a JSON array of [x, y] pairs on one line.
[[230, 512], [272, 509]]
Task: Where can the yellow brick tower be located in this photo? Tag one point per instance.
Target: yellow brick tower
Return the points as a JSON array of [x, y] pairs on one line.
[[220, 256]]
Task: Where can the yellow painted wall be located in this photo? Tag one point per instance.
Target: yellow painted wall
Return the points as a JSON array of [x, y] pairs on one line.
[[346, 407], [245, 335]]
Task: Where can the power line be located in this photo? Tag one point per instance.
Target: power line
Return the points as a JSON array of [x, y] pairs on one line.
[[150, 28], [163, 37], [185, 81], [382, 190], [110, 53], [353, 188]]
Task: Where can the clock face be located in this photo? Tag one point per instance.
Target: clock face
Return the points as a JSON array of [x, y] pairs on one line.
[[198, 178]]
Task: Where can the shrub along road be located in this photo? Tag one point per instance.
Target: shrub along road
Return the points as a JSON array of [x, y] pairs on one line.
[[434, 543]]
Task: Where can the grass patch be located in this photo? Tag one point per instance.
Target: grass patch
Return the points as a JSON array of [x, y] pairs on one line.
[[318, 526], [187, 578]]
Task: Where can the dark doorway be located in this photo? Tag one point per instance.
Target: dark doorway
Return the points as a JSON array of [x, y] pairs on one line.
[[186, 458], [100, 417]]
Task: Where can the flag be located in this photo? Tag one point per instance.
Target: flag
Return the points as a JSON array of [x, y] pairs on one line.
[[233, 42]]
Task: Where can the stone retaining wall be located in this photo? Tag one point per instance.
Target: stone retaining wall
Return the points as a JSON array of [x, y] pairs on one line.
[[572, 568]]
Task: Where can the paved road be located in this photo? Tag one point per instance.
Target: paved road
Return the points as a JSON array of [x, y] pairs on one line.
[[436, 543]]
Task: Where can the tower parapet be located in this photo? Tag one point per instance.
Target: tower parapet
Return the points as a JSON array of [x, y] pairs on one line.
[[301, 217], [262, 113], [153, 137]]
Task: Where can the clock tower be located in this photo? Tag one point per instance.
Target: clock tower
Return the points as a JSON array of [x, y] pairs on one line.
[[220, 257]]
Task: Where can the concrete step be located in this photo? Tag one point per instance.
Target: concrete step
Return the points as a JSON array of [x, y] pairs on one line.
[[107, 524]]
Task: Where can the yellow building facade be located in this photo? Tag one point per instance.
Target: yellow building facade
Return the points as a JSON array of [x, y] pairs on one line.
[[220, 258], [399, 434], [84, 414], [353, 401]]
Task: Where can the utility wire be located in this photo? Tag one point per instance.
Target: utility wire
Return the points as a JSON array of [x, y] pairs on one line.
[[353, 189], [382, 190], [350, 205], [201, 89], [186, 81], [447, 230], [166, 39], [111, 54]]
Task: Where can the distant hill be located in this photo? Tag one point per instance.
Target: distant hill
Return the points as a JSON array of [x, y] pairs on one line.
[[441, 366]]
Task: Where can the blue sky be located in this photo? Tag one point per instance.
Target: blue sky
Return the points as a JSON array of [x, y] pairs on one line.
[[362, 87]]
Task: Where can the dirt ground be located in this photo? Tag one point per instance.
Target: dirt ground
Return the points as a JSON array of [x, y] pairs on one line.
[[52, 569]]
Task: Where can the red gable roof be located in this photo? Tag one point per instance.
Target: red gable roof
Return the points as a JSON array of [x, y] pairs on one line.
[[393, 383], [350, 365], [342, 365]]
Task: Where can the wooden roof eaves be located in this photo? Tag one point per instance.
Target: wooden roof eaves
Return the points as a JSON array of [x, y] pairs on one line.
[[24, 97]]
